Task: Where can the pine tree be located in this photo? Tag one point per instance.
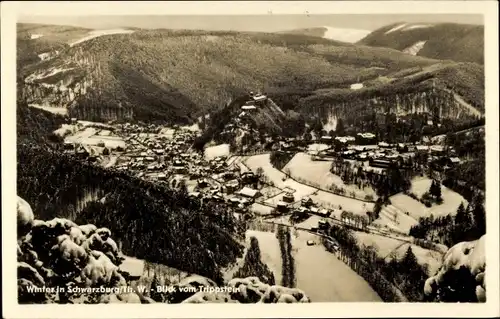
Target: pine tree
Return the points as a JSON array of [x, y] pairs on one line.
[[339, 129], [462, 217], [409, 260], [479, 217], [155, 294]]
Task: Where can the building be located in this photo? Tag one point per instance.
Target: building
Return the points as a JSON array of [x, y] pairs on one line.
[[231, 186], [437, 149], [249, 192], [422, 148], [382, 163], [365, 138], [326, 138], [288, 198], [307, 202], [259, 98], [282, 206]]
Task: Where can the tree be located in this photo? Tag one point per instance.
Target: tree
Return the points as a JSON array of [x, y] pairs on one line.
[[409, 260], [435, 189], [479, 217], [307, 136], [339, 129], [462, 217], [155, 294]]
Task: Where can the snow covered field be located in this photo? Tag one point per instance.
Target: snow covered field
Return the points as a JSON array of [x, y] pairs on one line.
[[269, 251], [389, 247], [88, 136], [325, 278], [51, 109], [318, 172], [451, 200], [99, 33], [329, 200]]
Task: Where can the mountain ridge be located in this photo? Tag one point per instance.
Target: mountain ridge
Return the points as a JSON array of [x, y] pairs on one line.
[[146, 75], [445, 41]]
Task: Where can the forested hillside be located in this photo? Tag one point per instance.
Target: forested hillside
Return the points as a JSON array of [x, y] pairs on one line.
[[444, 41], [151, 221], [147, 75]]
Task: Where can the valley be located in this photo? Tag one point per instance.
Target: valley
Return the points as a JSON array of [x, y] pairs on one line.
[[304, 168]]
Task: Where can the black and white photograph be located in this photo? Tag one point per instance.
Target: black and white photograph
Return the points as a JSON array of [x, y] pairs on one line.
[[316, 157]]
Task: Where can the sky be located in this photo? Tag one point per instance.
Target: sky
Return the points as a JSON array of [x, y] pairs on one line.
[[256, 23]]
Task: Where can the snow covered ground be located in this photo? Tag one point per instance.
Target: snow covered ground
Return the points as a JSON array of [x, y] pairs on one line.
[[318, 172], [99, 33], [451, 200], [325, 278], [415, 48], [51, 109], [345, 35], [269, 251], [329, 200], [325, 199], [388, 247]]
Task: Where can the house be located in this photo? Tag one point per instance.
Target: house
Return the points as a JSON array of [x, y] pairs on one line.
[[282, 206], [402, 148], [82, 151], [326, 138], [324, 212], [384, 145], [345, 139], [365, 138], [307, 202], [248, 107], [249, 178], [288, 198], [203, 182], [259, 98], [178, 163], [422, 148], [69, 145], [382, 163], [249, 192], [437, 149], [323, 224], [455, 160], [179, 169], [162, 176], [231, 186]]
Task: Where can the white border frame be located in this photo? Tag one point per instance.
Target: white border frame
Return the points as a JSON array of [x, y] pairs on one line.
[[11, 10]]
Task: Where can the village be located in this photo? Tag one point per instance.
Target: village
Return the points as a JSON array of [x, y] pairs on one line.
[[246, 181]]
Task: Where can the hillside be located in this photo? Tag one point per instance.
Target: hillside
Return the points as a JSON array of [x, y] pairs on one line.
[[147, 75], [444, 41]]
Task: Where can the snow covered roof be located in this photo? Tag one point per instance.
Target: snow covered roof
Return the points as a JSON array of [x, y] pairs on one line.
[[367, 135], [259, 98], [249, 192], [248, 107]]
